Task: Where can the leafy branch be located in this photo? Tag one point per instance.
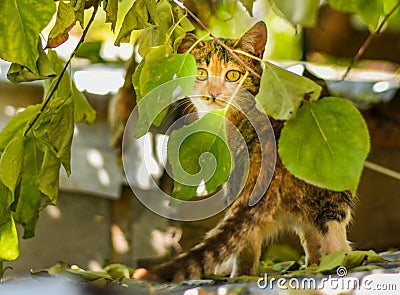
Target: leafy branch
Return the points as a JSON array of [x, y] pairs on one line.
[[59, 78]]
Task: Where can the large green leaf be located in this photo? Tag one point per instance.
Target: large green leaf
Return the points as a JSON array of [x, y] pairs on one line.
[[65, 21], [136, 18], [160, 66], [282, 92], [8, 241], [20, 25], [159, 80], [297, 12], [29, 198], [11, 162], [83, 112], [326, 144], [199, 152]]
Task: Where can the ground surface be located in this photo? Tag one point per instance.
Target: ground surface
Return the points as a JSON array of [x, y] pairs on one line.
[[372, 278]]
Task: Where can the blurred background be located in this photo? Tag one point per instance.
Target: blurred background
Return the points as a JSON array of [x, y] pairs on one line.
[[98, 220]]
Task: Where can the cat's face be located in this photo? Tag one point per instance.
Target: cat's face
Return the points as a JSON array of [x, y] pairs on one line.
[[215, 83], [219, 73]]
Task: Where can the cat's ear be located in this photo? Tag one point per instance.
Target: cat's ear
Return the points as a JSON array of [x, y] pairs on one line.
[[254, 40], [187, 42]]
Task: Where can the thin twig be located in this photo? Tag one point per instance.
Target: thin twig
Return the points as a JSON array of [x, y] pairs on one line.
[[370, 38], [48, 99], [231, 51], [382, 170]]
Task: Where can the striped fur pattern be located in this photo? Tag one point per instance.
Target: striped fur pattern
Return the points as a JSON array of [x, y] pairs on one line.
[[319, 216]]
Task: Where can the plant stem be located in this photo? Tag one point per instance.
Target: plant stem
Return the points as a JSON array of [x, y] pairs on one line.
[[53, 91], [370, 38], [231, 51]]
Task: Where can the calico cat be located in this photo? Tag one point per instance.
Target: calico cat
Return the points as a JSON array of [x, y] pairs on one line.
[[319, 216]]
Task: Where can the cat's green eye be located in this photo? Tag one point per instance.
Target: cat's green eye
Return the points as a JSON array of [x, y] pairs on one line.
[[202, 74], [233, 75]]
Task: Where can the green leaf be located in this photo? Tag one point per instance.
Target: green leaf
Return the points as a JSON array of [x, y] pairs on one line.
[[65, 21], [297, 12], [111, 9], [156, 35], [79, 9], [135, 19], [11, 162], [348, 259], [8, 241], [369, 10], [83, 275], [91, 51], [20, 26], [248, 4], [83, 112], [17, 124], [29, 197], [343, 5], [49, 176], [388, 5], [326, 144], [282, 92], [56, 128], [18, 73], [161, 68], [118, 271], [199, 152], [6, 199]]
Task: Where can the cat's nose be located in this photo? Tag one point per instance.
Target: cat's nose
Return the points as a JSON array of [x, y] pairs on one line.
[[213, 97], [214, 94]]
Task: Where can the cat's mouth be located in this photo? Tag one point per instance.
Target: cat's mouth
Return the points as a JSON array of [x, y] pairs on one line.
[[219, 102], [215, 101]]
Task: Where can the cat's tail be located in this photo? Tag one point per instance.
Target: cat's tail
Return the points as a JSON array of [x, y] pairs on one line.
[[227, 239]]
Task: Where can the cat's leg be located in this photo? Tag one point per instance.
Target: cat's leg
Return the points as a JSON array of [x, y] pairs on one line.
[[246, 262], [335, 239], [317, 243], [310, 239]]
